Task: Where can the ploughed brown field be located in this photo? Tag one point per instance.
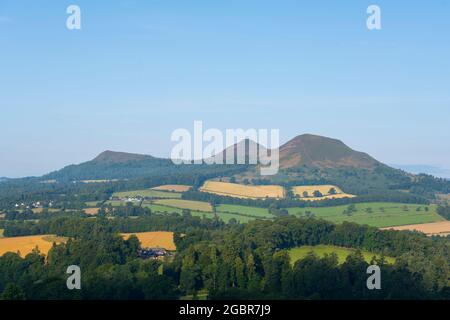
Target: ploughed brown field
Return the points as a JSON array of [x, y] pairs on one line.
[[441, 228], [155, 239], [25, 245]]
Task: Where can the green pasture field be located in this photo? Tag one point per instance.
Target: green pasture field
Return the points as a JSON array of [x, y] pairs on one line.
[[342, 253], [245, 210], [376, 214], [148, 193], [185, 204], [225, 216], [381, 214], [160, 208], [93, 204]]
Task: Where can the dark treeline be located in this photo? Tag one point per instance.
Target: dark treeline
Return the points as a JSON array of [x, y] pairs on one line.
[[228, 261], [293, 202], [444, 211], [143, 220]]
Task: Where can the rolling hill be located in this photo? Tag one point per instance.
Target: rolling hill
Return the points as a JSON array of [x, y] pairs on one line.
[[304, 160], [322, 152], [120, 157]]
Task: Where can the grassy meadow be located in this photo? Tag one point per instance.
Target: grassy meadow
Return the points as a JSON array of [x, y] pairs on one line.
[[321, 250], [148, 193], [185, 204], [245, 210], [376, 214]]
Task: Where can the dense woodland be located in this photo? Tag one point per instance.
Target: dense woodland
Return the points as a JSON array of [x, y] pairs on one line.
[[230, 261]]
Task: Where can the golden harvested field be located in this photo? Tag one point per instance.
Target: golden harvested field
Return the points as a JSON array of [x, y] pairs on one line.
[[242, 191], [323, 189], [26, 244], [159, 239], [91, 211], [185, 204], [173, 187], [430, 229]]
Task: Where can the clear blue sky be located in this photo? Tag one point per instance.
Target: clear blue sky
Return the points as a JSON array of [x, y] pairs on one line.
[[140, 69]]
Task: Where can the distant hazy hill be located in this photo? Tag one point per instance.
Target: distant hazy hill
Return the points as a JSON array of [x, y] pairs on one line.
[[120, 157], [426, 169], [120, 165], [111, 165], [2, 179]]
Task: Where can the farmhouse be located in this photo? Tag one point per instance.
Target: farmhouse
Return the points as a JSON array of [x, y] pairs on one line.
[[152, 253]]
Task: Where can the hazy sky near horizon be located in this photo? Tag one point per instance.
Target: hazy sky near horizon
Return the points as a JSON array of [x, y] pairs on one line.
[[137, 70]]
